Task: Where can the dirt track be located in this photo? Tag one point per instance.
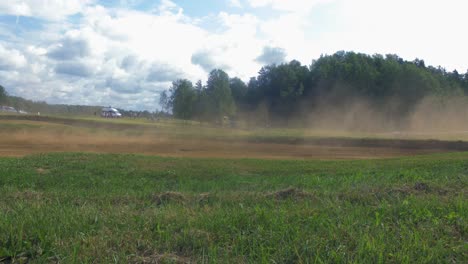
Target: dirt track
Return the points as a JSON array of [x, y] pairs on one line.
[[25, 143], [52, 134]]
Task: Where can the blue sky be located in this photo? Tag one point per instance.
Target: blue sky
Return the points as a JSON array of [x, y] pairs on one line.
[[125, 52]]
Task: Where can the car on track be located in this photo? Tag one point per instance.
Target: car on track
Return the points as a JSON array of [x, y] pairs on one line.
[[110, 112]]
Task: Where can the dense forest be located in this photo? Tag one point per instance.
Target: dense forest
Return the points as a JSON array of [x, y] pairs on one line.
[[387, 88]]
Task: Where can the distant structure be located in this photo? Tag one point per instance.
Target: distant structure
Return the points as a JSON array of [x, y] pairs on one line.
[[110, 112]]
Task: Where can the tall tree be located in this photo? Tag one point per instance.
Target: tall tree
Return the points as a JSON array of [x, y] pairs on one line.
[[238, 91], [199, 85], [3, 95], [164, 101], [222, 103], [183, 99], [465, 82]]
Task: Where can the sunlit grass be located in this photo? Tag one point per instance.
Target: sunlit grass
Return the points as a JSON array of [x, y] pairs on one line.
[[76, 208]]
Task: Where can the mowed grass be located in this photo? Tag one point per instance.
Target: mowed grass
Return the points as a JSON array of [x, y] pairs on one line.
[[108, 208]]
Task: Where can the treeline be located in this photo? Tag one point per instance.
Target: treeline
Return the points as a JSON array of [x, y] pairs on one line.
[[294, 93], [34, 107]]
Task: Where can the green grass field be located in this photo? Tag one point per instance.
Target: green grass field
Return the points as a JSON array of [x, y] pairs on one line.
[[112, 208]]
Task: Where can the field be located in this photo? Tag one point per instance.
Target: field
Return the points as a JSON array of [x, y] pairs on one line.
[[81, 190]]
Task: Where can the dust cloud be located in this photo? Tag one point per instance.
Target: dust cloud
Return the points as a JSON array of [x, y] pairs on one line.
[[440, 115], [429, 116]]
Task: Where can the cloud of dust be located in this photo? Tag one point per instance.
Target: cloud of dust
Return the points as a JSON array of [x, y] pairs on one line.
[[440, 115], [356, 115], [429, 115]]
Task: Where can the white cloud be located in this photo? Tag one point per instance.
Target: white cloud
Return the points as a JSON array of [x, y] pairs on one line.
[[46, 9], [113, 54], [288, 32], [429, 30], [288, 29], [272, 55], [70, 48], [74, 69], [236, 47], [298, 6], [11, 59], [235, 3], [168, 7]]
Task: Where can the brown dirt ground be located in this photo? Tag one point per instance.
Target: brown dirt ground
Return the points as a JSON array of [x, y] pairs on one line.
[[29, 143]]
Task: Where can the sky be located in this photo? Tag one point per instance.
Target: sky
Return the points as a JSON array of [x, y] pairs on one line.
[[124, 53]]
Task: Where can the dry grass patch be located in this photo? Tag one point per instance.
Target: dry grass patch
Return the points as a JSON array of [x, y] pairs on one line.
[[169, 197], [42, 171], [420, 188], [28, 195], [155, 258], [290, 193]]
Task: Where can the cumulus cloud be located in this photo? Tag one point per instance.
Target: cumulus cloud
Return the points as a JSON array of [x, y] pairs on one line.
[[130, 63], [204, 59], [11, 59], [46, 9], [234, 49], [207, 60], [272, 55], [130, 56], [70, 49], [289, 5], [113, 55], [73, 68], [167, 6], [125, 86], [163, 73], [418, 28], [235, 3]]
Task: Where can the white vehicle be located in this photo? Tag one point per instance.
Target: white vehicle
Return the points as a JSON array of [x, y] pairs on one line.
[[110, 112]]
